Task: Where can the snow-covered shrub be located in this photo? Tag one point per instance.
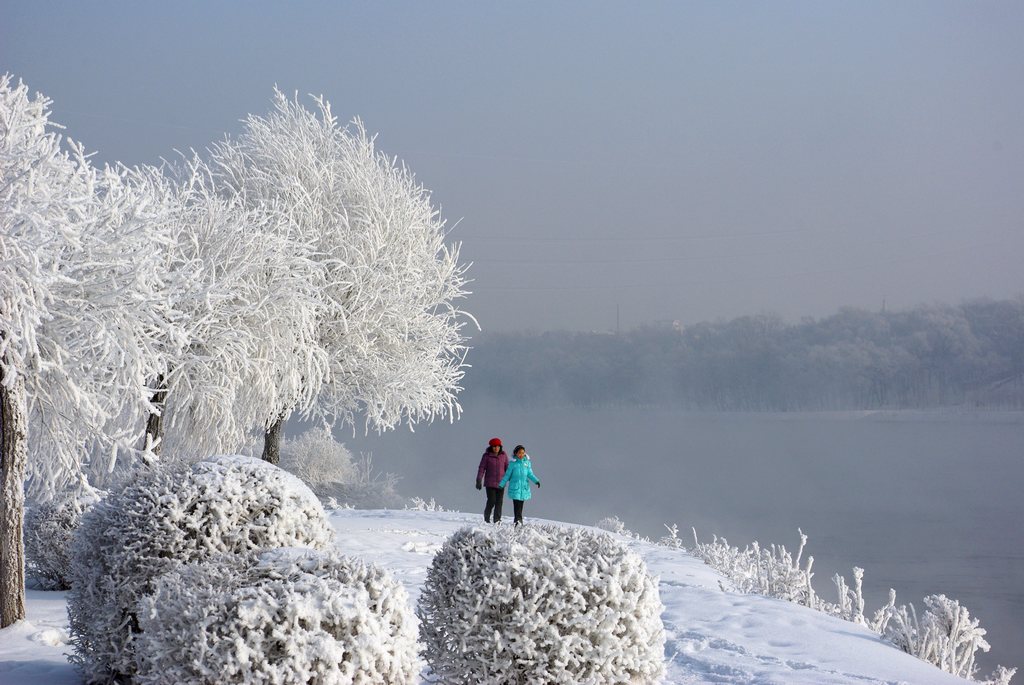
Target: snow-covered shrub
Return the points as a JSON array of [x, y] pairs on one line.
[[613, 524], [420, 504], [330, 470], [540, 605], [771, 571], [318, 459], [945, 635], [672, 539], [49, 529], [850, 605], [224, 505], [283, 616], [370, 489], [332, 504]]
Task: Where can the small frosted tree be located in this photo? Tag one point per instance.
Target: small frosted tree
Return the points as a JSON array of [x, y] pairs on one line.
[[81, 315], [385, 317]]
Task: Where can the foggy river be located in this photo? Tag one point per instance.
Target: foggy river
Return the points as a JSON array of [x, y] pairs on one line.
[[926, 503]]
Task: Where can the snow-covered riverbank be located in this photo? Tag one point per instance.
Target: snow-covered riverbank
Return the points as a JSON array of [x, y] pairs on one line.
[[714, 635]]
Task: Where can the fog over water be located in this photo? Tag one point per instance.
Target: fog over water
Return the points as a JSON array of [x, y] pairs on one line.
[[926, 503]]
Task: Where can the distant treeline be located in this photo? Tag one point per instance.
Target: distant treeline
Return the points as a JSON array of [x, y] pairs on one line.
[[931, 356]]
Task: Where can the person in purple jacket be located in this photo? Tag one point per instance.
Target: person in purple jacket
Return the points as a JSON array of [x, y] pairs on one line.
[[492, 469]]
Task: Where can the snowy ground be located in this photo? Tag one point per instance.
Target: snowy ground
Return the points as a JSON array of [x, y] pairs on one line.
[[714, 636]]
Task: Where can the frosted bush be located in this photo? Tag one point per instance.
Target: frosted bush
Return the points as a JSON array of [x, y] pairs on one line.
[[945, 635], [672, 539], [771, 571], [370, 489], [332, 504], [420, 504], [317, 458], [330, 470], [285, 616], [540, 605], [224, 505], [613, 524], [49, 529]]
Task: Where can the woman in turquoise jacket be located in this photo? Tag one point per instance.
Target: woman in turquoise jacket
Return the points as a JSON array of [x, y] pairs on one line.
[[518, 477]]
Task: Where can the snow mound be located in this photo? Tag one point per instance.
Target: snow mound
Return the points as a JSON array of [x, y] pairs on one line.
[[225, 505], [540, 604], [49, 530], [286, 616], [53, 637]]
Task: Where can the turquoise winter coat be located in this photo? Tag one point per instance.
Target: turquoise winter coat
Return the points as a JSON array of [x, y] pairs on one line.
[[519, 470]]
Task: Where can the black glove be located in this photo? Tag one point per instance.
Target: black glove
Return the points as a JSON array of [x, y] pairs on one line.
[[538, 484], [478, 486]]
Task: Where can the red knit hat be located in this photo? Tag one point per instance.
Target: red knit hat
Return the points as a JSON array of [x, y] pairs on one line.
[[494, 441]]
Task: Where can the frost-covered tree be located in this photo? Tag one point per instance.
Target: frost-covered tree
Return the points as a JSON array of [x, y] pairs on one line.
[[244, 305], [386, 318], [82, 313]]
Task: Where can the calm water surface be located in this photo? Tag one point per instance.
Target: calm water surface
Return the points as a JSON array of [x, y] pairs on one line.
[[925, 503]]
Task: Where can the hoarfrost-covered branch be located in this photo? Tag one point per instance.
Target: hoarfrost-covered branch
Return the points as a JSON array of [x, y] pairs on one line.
[[386, 281]]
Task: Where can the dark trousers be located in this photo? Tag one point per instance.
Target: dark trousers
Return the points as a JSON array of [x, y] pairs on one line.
[[495, 496], [517, 510]]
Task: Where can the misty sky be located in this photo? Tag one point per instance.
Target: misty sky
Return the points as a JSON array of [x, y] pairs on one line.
[[678, 160]]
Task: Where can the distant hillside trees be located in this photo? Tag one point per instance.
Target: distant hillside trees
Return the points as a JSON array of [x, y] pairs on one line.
[[929, 356]]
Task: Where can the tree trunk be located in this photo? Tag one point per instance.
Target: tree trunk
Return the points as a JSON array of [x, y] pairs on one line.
[[155, 422], [13, 456], [272, 442]]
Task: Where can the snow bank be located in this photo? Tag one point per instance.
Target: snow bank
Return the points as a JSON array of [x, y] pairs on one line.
[[713, 634], [286, 616], [540, 604], [225, 505]]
